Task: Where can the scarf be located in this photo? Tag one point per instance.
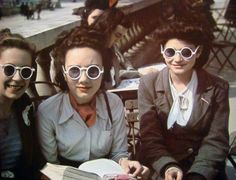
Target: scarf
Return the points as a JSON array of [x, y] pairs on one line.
[[87, 111], [182, 106]]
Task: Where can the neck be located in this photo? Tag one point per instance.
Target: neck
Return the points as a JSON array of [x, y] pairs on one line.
[[180, 81]]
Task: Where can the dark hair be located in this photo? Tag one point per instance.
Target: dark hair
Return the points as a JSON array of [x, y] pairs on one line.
[[100, 4], [76, 38], [189, 30], [90, 5], [9, 40], [108, 21]]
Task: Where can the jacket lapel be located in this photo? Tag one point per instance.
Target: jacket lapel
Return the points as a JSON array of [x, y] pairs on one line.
[[163, 94], [203, 98]]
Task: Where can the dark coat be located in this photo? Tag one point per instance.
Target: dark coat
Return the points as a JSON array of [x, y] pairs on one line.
[[31, 159], [199, 147]]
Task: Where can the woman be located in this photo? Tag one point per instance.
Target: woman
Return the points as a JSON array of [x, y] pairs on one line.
[[20, 157], [113, 23], [184, 110], [94, 8], [87, 122]]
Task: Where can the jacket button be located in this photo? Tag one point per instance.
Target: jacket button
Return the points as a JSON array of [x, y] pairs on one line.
[[190, 150]]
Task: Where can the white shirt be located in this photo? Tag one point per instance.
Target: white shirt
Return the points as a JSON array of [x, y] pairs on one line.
[[182, 106], [61, 129]]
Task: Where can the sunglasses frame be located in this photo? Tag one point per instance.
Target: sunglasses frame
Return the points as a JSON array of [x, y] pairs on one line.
[[86, 69], [179, 52], [17, 68]]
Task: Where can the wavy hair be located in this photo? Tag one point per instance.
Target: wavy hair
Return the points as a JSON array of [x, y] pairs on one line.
[[188, 29], [10, 40], [80, 37]]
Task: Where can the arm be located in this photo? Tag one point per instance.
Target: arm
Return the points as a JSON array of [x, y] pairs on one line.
[[47, 137], [119, 143], [151, 131], [215, 145]]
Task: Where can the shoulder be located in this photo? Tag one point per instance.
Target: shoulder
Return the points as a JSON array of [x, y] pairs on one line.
[[151, 77], [213, 80], [51, 104], [154, 81], [154, 76], [114, 100]]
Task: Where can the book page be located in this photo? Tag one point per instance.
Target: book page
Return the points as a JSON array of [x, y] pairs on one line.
[[61, 172], [102, 167], [53, 171]]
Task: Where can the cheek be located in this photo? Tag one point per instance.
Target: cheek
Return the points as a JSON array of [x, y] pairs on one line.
[[97, 83], [71, 84], [192, 63]]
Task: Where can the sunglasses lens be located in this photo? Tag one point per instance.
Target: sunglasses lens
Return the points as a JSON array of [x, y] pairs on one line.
[[93, 72], [74, 72], [187, 53], [26, 73], [169, 52], [9, 70]]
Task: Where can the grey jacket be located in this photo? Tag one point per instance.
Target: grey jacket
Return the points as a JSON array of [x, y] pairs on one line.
[[199, 147]]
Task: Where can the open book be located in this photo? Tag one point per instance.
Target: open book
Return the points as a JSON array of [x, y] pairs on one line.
[[100, 169]]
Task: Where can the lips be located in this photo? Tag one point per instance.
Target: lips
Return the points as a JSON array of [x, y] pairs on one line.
[[178, 65], [83, 88], [14, 87]]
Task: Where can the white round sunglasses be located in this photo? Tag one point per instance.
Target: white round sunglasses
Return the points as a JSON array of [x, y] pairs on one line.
[[186, 53], [92, 72], [9, 70]]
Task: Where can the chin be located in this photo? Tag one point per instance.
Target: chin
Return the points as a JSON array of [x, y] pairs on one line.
[[14, 96]]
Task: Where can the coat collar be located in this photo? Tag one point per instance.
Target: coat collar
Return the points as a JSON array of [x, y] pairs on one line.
[[203, 94], [204, 82]]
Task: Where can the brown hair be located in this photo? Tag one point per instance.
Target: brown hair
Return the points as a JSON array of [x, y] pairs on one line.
[[9, 40], [190, 30], [80, 37]]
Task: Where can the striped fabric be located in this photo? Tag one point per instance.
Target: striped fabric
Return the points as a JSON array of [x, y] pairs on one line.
[[10, 142]]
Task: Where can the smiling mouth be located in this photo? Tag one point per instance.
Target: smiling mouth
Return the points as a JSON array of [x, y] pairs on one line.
[[14, 87], [178, 65]]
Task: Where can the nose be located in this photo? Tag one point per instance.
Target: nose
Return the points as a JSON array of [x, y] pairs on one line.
[[16, 76], [83, 77], [178, 57]]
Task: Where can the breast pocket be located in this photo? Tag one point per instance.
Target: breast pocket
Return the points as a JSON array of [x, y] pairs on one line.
[[104, 142]]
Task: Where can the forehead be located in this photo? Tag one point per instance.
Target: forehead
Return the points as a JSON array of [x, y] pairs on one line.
[[83, 57], [178, 43], [15, 56]]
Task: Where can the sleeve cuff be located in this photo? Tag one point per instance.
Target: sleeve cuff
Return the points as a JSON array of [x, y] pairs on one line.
[[206, 172], [161, 164]]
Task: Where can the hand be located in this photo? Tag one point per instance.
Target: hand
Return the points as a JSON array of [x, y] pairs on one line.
[[134, 169], [173, 173]]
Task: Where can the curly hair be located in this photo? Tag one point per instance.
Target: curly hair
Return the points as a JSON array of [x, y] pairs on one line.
[[9, 40], [90, 5], [80, 37], [190, 30]]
